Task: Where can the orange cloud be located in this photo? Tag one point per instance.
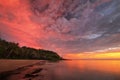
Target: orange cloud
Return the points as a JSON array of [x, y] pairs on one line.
[[9, 3], [21, 29], [54, 25]]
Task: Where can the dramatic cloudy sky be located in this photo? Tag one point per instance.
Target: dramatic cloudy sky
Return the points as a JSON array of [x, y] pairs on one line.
[[64, 26]]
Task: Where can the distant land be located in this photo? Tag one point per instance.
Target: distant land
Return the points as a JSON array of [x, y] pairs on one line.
[[11, 50]]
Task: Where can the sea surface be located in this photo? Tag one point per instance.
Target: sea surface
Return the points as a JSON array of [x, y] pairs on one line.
[[66, 70]]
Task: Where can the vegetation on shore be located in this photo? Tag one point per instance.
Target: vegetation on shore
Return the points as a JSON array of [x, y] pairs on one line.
[[11, 50]]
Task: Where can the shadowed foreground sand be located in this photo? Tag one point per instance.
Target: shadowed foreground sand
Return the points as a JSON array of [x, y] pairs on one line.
[[7, 65], [20, 69]]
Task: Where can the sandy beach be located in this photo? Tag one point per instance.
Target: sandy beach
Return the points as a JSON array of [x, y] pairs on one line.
[[8, 65], [20, 69]]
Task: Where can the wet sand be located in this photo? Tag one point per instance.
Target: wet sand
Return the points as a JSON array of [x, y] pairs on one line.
[[8, 64], [66, 70], [21, 69]]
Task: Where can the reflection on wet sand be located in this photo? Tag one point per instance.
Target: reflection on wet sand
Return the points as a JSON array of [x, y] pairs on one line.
[[85, 70], [107, 66], [67, 70]]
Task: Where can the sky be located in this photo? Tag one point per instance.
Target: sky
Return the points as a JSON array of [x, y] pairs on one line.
[[68, 27]]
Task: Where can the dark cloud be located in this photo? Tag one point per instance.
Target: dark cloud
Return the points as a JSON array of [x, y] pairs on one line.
[[66, 26], [38, 7]]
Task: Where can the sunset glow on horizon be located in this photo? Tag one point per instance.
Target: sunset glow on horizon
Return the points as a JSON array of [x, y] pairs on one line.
[[107, 55], [64, 26]]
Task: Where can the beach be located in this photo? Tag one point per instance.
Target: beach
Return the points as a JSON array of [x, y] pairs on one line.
[[61, 70]]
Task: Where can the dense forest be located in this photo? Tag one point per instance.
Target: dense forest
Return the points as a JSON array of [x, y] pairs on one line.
[[11, 50]]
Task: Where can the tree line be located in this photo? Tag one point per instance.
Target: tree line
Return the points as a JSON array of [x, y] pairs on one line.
[[11, 50]]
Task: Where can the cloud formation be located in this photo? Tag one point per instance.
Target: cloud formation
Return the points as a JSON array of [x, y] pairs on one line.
[[65, 26]]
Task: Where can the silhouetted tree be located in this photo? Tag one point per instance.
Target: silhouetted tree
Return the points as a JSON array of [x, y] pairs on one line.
[[12, 50]]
